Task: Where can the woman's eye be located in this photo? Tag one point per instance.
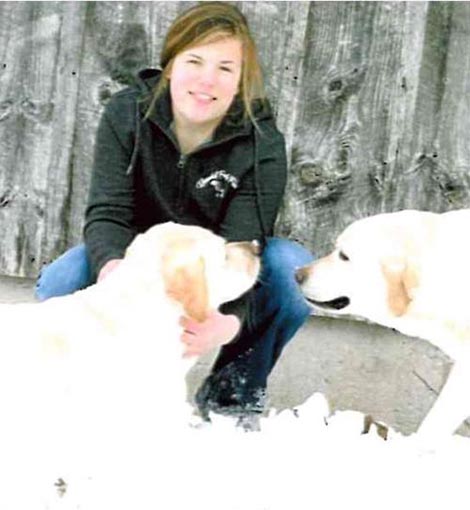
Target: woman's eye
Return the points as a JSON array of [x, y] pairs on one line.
[[343, 256], [227, 69]]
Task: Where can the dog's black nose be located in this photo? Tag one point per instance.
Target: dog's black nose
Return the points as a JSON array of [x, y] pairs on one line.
[[301, 275]]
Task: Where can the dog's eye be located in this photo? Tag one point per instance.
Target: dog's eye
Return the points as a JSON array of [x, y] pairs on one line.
[[343, 256]]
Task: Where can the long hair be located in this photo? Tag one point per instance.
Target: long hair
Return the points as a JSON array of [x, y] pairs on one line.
[[209, 22]]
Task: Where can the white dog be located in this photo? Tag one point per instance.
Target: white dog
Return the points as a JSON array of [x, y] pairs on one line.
[[82, 374], [408, 270]]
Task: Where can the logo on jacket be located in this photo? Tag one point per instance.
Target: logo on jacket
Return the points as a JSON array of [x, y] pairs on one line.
[[220, 180]]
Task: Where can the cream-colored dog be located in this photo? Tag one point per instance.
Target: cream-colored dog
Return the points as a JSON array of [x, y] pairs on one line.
[[407, 270], [91, 371]]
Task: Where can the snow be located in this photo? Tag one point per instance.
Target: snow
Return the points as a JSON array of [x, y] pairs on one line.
[[299, 460]]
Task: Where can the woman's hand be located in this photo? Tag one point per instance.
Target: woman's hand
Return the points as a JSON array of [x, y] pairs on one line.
[[201, 337], [110, 266]]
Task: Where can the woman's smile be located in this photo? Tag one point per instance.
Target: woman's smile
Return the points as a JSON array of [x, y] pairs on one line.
[[202, 97]]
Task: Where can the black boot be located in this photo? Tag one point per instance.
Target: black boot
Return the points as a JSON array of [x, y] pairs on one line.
[[226, 392]]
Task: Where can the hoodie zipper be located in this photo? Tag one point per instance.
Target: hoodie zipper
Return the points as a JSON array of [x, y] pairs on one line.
[[181, 180], [182, 161]]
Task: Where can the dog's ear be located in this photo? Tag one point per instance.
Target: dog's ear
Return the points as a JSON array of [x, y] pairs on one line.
[[401, 279], [187, 284]]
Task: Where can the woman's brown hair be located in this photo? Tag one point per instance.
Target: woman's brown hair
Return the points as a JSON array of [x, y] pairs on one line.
[[209, 22]]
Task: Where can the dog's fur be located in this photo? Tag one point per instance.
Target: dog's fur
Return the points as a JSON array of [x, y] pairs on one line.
[[79, 371], [410, 271]]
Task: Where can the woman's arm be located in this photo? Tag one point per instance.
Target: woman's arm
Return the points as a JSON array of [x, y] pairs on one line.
[[110, 211]]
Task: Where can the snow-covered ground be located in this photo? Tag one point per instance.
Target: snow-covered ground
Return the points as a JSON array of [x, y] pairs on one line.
[[299, 460]]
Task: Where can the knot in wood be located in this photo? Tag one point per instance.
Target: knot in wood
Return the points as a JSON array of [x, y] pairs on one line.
[[311, 174]]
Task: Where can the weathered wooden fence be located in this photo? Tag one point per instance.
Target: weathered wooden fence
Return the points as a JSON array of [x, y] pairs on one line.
[[374, 99]]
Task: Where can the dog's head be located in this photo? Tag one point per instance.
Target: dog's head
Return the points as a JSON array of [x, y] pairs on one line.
[[198, 269], [374, 270]]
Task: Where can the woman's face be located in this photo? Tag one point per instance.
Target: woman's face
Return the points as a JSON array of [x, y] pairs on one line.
[[204, 80]]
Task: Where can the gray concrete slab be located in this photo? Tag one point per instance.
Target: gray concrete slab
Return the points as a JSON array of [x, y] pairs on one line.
[[16, 290], [356, 365]]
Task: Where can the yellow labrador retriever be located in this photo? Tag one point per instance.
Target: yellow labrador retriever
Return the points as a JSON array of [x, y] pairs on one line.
[[408, 270], [100, 367]]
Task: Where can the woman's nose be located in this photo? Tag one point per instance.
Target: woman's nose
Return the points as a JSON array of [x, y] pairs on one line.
[[208, 76]]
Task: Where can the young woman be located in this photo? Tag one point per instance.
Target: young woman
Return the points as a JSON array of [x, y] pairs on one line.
[[197, 143]]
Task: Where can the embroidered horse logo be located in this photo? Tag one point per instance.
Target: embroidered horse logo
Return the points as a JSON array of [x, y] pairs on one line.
[[220, 180]]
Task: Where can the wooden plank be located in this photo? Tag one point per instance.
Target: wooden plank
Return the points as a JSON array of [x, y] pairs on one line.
[[449, 156], [62, 182]]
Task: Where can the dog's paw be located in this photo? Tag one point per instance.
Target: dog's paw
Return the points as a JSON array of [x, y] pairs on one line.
[[376, 427]]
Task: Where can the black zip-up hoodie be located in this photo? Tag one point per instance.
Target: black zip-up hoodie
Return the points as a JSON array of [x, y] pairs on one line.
[[232, 185]]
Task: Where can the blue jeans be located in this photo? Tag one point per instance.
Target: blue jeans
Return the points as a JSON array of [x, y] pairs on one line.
[[239, 375], [67, 274]]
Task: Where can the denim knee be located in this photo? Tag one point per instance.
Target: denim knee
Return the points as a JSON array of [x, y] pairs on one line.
[[285, 256], [65, 275], [281, 257]]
